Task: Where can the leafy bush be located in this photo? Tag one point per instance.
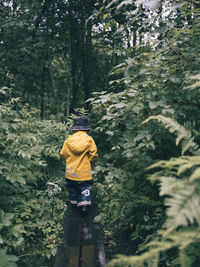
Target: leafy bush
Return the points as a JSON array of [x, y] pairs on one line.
[[157, 80], [32, 211], [131, 210], [179, 183]]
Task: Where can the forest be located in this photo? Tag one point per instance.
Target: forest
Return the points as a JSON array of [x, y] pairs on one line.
[[133, 68]]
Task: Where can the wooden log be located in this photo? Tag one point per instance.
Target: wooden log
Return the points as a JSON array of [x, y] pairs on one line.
[[83, 241]]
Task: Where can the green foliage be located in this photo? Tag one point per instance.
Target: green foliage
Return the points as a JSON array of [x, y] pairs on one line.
[[51, 67], [32, 211], [142, 58], [188, 143], [179, 184], [7, 260], [130, 204], [151, 82]]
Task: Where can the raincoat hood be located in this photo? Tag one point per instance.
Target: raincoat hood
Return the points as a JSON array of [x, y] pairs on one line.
[[79, 142]]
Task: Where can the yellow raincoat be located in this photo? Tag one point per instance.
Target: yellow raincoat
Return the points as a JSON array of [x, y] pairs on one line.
[[78, 151]]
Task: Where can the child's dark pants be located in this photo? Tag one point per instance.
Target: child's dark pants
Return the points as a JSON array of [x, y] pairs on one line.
[[80, 192]]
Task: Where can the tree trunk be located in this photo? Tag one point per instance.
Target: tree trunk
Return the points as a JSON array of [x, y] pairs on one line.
[[39, 18], [89, 57], [42, 103], [88, 63], [53, 83], [73, 55], [69, 82], [135, 26]]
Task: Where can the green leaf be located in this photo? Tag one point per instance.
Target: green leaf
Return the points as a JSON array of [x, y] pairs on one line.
[[6, 219], [1, 240], [152, 4], [127, 2], [174, 127], [161, 29], [7, 260], [195, 175], [153, 105]]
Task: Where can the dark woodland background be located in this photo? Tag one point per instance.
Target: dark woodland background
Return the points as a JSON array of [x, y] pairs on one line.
[[132, 67]]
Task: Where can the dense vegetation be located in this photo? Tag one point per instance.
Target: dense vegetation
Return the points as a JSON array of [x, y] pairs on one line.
[[133, 68]]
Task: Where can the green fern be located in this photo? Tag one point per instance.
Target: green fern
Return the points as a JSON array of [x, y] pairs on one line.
[[195, 175], [181, 239], [29, 154], [182, 134], [196, 84], [177, 166], [179, 184], [183, 202]]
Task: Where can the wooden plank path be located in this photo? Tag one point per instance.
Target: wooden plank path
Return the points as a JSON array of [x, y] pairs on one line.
[[83, 244]]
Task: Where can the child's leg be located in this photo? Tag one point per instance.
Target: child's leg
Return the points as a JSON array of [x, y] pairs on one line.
[[85, 195], [73, 192]]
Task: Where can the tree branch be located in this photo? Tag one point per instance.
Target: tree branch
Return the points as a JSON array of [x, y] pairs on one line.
[[175, 50]]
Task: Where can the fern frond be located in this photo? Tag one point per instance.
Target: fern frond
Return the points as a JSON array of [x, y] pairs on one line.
[[184, 259], [179, 164], [156, 248], [195, 175], [169, 164], [168, 185], [193, 86], [195, 77], [181, 239], [185, 237], [182, 195], [183, 202], [189, 164], [179, 130]]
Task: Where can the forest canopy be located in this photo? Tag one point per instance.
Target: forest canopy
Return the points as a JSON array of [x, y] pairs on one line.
[[132, 67]]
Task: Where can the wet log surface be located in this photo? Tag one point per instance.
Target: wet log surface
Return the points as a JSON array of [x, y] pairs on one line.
[[83, 244]]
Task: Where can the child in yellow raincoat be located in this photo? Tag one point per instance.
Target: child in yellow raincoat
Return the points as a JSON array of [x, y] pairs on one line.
[[79, 151]]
